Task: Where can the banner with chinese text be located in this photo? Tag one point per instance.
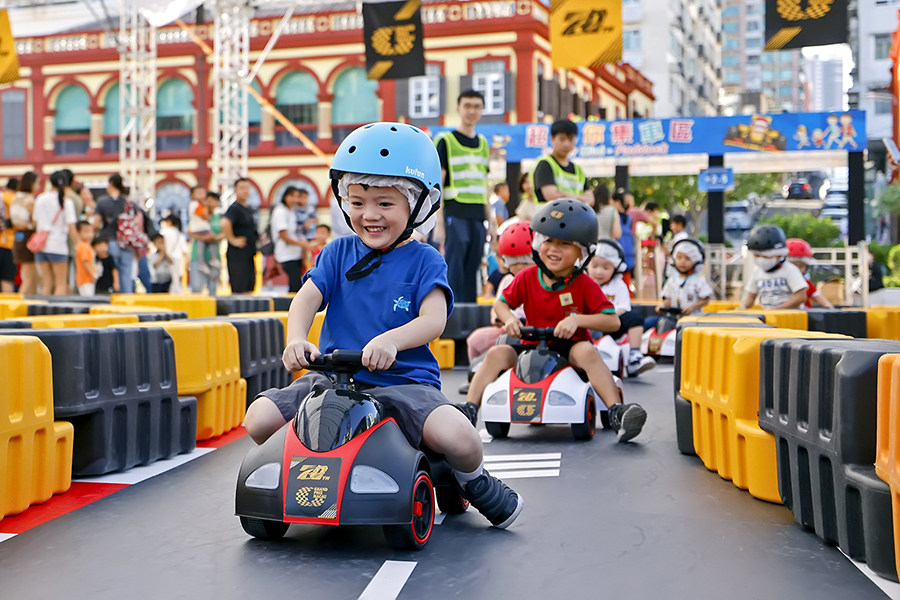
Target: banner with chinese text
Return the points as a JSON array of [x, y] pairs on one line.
[[585, 33], [694, 135], [393, 36]]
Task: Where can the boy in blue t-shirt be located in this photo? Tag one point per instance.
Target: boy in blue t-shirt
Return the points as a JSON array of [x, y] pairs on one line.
[[387, 294]]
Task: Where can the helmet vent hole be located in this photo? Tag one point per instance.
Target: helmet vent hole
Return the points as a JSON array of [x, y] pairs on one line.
[[385, 152], [562, 225], [393, 129], [352, 149]]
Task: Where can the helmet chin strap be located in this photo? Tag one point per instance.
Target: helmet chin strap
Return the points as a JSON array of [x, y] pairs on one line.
[[777, 265], [372, 260], [559, 282]]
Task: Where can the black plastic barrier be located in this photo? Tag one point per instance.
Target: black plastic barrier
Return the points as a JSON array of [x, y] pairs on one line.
[[229, 305], [117, 387], [59, 308], [848, 322], [282, 303], [818, 398], [684, 420], [99, 299], [161, 316], [260, 345], [13, 324], [465, 318]]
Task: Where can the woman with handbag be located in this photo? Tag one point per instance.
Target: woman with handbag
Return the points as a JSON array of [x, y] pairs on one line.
[[54, 218], [20, 213]]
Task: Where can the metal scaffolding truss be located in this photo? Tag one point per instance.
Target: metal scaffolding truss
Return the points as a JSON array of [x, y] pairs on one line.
[[137, 102], [231, 64]]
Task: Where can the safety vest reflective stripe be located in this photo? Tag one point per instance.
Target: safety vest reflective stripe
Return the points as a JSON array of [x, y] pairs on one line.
[[467, 179], [568, 184]]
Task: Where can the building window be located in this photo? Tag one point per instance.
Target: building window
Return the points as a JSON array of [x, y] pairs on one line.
[[172, 198], [487, 78], [254, 117], [174, 116], [753, 43], [730, 27], [297, 98], [425, 94], [631, 40], [72, 122], [883, 105], [12, 103], [732, 78], [753, 59], [111, 120], [731, 60], [768, 75], [752, 26], [882, 45], [786, 74], [732, 44], [355, 102]]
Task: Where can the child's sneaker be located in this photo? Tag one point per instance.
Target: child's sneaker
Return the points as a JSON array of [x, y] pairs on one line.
[[638, 363], [494, 499], [627, 420], [470, 410]]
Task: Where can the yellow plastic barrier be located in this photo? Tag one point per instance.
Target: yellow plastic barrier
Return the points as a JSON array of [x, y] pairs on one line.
[[11, 296], [208, 366], [720, 305], [792, 318], [887, 445], [64, 321], [12, 308], [883, 322], [35, 450], [195, 306], [717, 319], [486, 300], [445, 352], [124, 309], [720, 378]]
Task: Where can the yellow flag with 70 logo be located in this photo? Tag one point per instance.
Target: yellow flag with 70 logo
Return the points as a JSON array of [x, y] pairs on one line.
[[9, 60], [585, 33]]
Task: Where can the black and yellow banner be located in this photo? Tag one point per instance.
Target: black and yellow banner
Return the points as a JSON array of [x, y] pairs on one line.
[[9, 60], [585, 33], [799, 23], [393, 37]]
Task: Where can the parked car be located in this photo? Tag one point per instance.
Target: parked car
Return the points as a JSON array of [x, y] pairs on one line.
[[737, 215], [799, 189]]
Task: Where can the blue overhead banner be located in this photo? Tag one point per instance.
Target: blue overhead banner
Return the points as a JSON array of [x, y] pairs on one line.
[[688, 135]]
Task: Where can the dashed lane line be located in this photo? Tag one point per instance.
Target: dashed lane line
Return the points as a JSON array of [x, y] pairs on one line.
[[388, 581]]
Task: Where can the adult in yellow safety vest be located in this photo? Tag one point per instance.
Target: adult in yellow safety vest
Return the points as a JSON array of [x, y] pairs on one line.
[[464, 156], [554, 175]]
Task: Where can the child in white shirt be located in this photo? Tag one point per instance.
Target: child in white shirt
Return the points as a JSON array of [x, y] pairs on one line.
[[776, 282], [606, 268], [688, 289]]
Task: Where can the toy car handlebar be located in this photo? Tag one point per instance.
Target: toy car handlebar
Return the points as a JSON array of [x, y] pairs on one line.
[[537, 333], [670, 310], [339, 361]]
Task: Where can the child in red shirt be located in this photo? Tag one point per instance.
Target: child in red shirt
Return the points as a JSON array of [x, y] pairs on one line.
[[801, 256], [557, 293]]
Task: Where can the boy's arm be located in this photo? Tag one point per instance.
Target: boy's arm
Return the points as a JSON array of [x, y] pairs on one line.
[[822, 301], [797, 299], [300, 317], [605, 322], [508, 320], [381, 352], [749, 299], [696, 305], [115, 273]]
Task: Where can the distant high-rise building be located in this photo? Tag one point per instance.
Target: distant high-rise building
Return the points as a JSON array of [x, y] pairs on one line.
[[777, 76], [826, 83], [676, 45]]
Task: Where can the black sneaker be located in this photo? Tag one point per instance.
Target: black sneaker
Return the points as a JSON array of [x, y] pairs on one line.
[[464, 388], [470, 410], [494, 499], [627, 420]]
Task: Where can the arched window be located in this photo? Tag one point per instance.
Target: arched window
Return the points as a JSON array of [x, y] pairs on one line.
[[254, 117], [355, 102], [174, 115], [111, 120], [73, 121], [297, 99], [172, 198]]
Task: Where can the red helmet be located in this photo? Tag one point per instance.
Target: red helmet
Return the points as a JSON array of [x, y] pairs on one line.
[[798, 248], [515, 240]]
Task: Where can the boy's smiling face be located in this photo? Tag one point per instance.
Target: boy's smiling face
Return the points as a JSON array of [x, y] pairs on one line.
[[378, 214], [560, 256]]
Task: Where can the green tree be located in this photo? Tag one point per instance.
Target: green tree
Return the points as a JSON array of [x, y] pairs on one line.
[[820, 233], [889, 200]]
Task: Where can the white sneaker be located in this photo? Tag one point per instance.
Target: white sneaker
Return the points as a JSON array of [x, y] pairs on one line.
[[639, 363]]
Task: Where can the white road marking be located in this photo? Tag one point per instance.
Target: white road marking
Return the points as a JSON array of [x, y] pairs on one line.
[[525, 474], [530, 464], [493, 458], [439, 518], [138, 474], [388, 581], [6, 536], [888, 587]]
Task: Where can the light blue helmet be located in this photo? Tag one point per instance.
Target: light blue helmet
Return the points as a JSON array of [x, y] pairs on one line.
[[391, 150]]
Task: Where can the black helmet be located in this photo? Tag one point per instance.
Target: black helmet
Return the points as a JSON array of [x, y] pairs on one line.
[[567, 219], [766, 238], [611, 250]]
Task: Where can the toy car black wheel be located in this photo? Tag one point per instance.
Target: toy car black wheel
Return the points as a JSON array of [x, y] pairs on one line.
[[450, 500], [415, 534], [585, 431], [497, 430], [264, 529]]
